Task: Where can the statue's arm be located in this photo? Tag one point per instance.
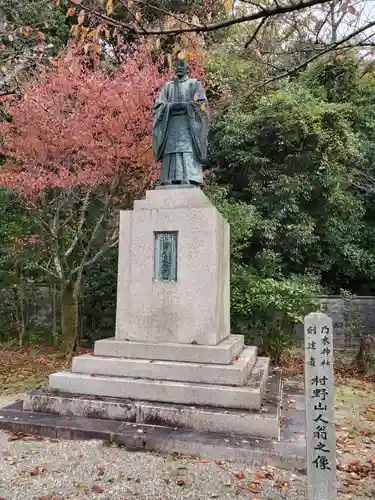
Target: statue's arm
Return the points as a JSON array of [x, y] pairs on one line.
[[160, 101], [200, 98]]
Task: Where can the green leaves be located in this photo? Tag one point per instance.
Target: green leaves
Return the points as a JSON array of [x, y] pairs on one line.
[[295, 158]]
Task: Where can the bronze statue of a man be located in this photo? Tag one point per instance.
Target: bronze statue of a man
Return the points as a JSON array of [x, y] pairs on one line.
[[180, 128]]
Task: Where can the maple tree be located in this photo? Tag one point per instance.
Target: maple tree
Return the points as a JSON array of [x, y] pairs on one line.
[[78, 148]]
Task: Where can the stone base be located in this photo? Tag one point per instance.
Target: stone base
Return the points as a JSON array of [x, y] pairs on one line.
[[288, 453], [245, 397], [220, 354], [236, 373], [263, 423]]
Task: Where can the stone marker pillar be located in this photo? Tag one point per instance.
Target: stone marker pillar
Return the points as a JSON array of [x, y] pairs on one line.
[[320, 413]]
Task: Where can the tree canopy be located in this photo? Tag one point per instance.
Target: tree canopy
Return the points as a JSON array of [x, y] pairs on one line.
[[292, 91]]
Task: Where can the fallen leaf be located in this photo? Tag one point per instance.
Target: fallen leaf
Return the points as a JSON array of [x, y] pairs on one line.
[[153, 361], [234, 385], [204, 461], [282, 485], [260, 475], [82, 485], [180, 481], [243, 414], [81, 17], [254, 487], [37, 471], [220, 462], [97, 489], [16, 436], [93, 375], [239, 475], [70, 12], [101, 470], [33, 438]]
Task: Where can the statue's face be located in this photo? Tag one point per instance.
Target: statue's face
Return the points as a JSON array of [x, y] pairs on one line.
[[180, 67]]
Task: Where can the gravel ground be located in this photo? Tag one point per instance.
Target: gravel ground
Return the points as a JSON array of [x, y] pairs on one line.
[[67, 469]]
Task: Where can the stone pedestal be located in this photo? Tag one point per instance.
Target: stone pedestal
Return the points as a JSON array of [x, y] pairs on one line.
[[172, 344], [194, 307]]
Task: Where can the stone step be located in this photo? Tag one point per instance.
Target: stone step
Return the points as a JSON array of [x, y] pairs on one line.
[[288, 453], [259, 424], [236, 373], [246, 397], [220, 354]]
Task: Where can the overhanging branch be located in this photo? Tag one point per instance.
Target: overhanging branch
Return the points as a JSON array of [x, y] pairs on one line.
[[262, 13], [329, 48]]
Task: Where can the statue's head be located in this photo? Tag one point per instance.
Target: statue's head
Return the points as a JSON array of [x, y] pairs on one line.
[[180, 65]]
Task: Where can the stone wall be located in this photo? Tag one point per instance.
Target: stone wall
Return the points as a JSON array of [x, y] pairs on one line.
[[350, 318]]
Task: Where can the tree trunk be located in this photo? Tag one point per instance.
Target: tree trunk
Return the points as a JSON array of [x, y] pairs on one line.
[[54, 324], [69, 318], [19, 313], [366, 352], [22, 316]]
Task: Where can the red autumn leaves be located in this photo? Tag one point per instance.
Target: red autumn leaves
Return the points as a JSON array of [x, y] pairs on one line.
[[78, 128]]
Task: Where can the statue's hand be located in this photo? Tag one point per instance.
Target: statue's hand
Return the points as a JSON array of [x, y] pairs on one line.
[[178, 106]]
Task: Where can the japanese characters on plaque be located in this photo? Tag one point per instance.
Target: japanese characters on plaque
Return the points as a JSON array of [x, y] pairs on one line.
[[320, 412]]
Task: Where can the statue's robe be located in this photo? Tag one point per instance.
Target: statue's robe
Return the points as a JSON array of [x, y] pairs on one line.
[[179, 137]]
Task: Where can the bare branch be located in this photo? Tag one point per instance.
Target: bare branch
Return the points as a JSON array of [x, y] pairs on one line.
[[132, 14], [109, 20], [253, 36], [8, 92], [82, 220], [111, 243], [260, 14], [79, 269], [159, 8], [54, 275], [330, 48]]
